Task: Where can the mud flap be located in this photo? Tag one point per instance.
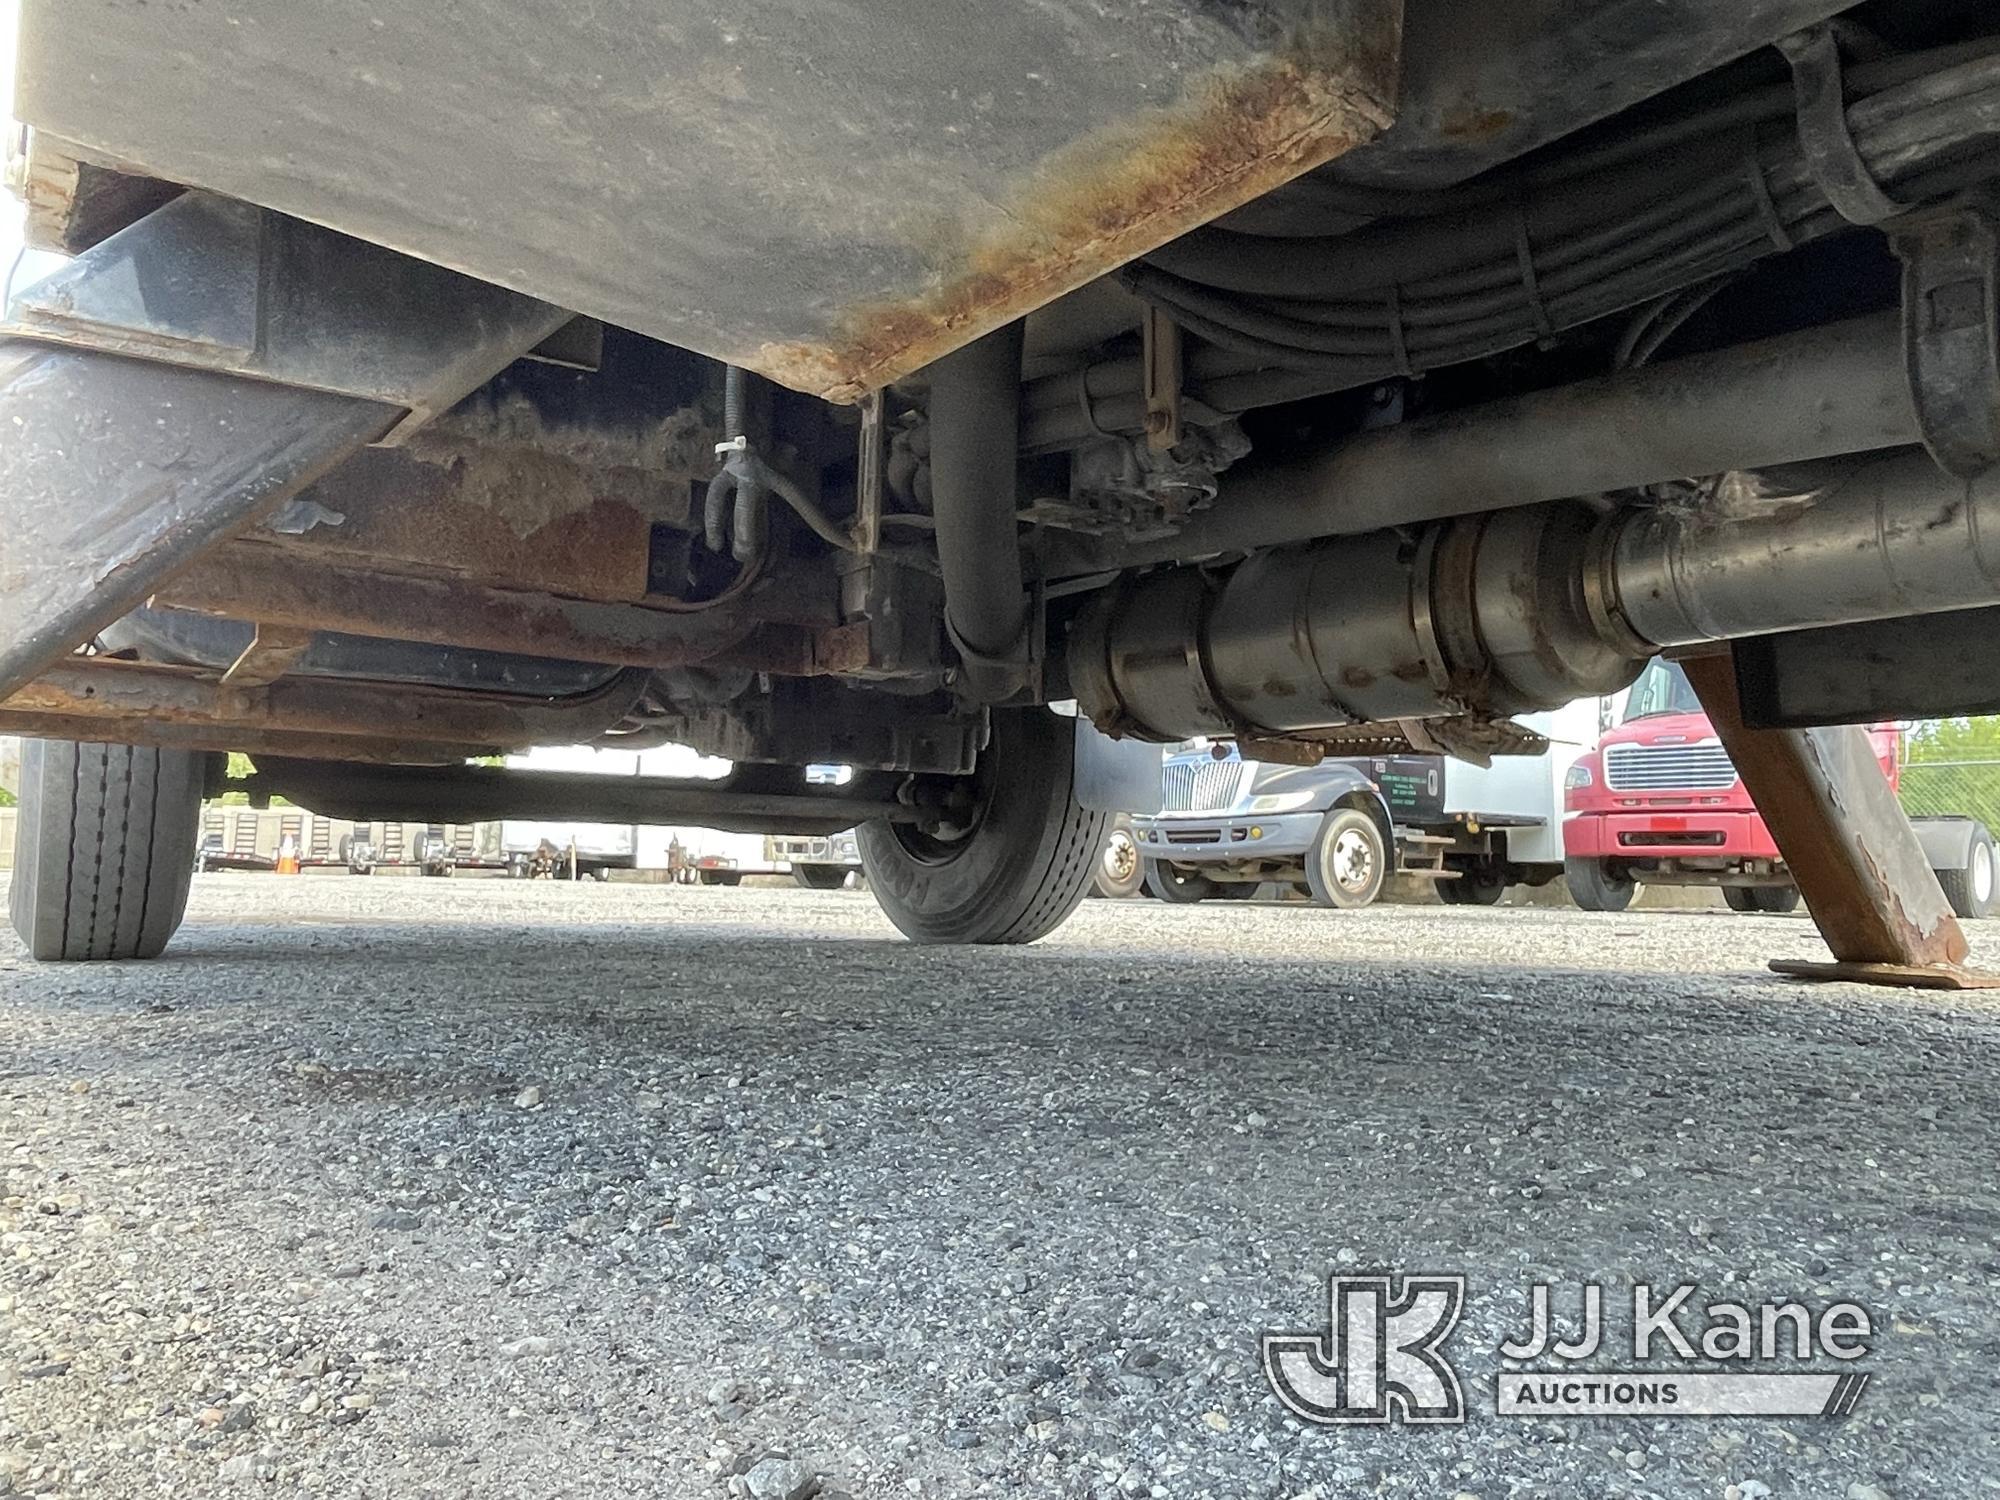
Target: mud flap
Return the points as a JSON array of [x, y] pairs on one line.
[[1115, 775]]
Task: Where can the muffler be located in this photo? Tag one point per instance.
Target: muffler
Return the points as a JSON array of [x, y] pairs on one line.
[[1513, 611]]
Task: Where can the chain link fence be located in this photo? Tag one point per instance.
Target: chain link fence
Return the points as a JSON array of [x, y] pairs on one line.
[[1952, 767]]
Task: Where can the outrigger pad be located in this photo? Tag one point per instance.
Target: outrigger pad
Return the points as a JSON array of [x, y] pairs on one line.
[[1903, 976]]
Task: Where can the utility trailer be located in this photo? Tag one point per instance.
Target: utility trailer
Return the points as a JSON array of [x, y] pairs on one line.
[[568, 849], [804, 388], [587, 850]]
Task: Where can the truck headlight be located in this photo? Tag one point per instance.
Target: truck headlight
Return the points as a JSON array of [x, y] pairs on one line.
[[1578, 778], [1277, 802]]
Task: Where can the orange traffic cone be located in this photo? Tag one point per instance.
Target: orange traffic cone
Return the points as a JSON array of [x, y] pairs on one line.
[[288, 856]]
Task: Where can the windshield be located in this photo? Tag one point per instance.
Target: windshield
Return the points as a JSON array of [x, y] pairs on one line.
[[1661, 689]]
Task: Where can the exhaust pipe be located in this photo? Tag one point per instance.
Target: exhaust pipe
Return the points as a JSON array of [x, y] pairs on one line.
[[1513, 611], [975, 437]]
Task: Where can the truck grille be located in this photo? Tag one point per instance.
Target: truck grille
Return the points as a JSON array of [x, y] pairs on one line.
[[1201, 786], [1668, 768]]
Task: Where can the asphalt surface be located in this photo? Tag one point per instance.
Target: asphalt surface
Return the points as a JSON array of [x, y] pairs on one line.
[[429, 1188]]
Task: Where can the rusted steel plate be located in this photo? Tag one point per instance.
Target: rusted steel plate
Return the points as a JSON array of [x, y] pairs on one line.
[[832, 192], [1897, 976], [1845, 838], [112, 694], [495, 496]]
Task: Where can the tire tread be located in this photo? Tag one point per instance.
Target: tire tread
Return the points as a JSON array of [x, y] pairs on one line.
[[96, 874], [1033, 882]]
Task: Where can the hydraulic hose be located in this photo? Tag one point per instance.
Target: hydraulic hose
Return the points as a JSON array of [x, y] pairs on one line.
[[1547, 250], [748, 481]]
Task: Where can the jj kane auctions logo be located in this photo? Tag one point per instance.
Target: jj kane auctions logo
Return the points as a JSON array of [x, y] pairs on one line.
[[1381, 1356]]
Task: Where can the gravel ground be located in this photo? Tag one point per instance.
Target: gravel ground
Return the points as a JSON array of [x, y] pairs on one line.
[[414, 1188]]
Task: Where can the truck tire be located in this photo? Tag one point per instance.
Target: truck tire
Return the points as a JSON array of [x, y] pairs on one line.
[[1971, 890], [1595, 886], [104, 849], [1023, 864], [1348, 860], [1120, 869], [1177, 887], [1477, 885], [720, 877], [1777, 900], [820, 877]]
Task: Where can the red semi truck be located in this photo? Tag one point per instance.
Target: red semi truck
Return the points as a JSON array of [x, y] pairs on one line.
[[1658, 803]]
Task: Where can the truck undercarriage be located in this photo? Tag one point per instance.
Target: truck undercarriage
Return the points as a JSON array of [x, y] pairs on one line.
[[1332, 376]]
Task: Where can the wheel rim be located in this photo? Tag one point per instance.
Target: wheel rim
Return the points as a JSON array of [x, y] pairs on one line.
[[928, 848], [1350, 861], [1120, 860], [1982, 874]]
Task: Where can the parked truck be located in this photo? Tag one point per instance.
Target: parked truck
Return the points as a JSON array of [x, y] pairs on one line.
[[1336, 831], [818, 861], [1659, 803]]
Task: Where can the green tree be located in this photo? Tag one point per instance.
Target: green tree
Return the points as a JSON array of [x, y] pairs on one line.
[[240, 766]]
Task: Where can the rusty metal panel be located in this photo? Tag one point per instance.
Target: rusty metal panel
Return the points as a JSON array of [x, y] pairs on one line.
[[832, 192], [250, 581], [512, 514], [547, 479], [113, 695]]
